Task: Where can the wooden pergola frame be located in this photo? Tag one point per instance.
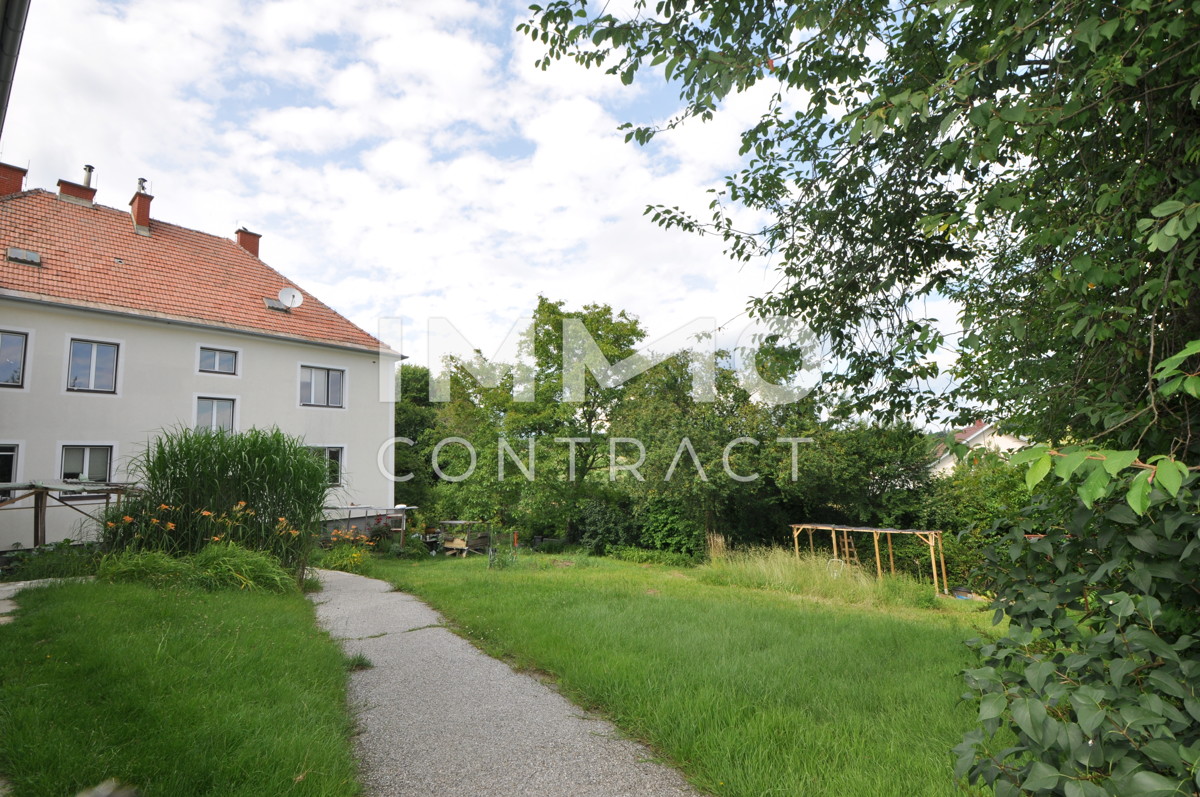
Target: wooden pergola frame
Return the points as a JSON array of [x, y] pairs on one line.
[[42, 491], [933, 539]]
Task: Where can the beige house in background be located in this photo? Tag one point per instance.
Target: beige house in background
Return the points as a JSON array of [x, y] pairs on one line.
[[114, 326], [978, 435]]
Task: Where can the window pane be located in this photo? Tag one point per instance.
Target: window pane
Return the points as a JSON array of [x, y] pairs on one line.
[[208, 360], [12, 358], [8, 463], [204, 414], [72, 462], [97, 469], [227, 362], [335, 465], [320, 386], [106, 367], [80, 375], [335, 388], [223, 414], [306, 376]]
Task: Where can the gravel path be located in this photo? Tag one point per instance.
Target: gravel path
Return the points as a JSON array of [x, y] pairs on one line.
[[439, 718]]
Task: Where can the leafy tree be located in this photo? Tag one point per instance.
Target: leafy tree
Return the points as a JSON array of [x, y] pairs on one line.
[[1037, 162], [416, 416]]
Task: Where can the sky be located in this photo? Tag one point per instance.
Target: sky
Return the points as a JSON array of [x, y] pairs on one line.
[[402, 159]]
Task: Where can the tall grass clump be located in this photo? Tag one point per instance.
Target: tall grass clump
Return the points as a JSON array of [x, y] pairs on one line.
[[261, 489], [815, 576]]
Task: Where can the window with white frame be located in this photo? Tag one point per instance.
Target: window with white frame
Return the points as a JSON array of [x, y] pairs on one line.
[[332, 457], [214, 414], [86, 463], [93, 367], [8, 468], [12, 359], [218, 361], [321, 387]]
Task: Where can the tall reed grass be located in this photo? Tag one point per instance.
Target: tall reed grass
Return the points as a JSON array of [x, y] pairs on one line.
[[261, 489], [815, 576]]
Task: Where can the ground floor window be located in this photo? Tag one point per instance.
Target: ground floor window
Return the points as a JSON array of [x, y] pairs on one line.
[[87, 463], [8, 468], [332, 456], [214, 413]]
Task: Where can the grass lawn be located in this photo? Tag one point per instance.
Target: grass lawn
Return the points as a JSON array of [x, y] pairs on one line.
[[177, 692], [748, 691]]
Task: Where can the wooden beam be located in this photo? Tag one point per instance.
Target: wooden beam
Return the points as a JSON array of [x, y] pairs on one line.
[[878, 563], [942, 556], [39, 517], [891, 556]]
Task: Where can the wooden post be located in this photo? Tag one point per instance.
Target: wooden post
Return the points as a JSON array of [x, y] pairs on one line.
[[833, 535], [933, 562], [878, 563], [942, 556], [891, 556], [796, 540], [39, 518], [811, 548]]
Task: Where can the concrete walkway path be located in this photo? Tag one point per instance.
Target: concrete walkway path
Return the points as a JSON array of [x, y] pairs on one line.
[[437, 718]]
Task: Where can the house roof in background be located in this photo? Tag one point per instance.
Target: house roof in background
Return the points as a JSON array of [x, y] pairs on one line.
[[92, 257]]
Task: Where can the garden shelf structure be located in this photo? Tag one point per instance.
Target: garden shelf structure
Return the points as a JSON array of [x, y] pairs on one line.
[[933, 539]]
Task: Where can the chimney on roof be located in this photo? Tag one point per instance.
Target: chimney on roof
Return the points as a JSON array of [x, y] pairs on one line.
[[248, 240], [12, 179], [139, 209], [78, 193]]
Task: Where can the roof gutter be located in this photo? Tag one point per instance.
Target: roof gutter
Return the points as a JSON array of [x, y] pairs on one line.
[[12, 30]]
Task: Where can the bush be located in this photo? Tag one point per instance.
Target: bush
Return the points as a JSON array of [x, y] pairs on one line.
[[411, 547], [63, 559], [629, 553], [216, 567], [261, 489]]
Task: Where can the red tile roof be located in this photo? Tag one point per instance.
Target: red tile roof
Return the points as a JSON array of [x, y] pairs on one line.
[[92, 257]]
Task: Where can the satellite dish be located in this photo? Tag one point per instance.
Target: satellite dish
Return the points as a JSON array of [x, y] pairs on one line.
[[290, 298]]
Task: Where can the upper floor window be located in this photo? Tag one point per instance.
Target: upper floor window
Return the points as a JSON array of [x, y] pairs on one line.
[[93, 366], [321, 387], [218, 361], [214, 413], [8, 468], [87, 463], [12, 359]]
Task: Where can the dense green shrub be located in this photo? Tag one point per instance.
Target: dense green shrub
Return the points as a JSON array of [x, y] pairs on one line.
[[411, 546], [216, 567], [629, 553], [63, 559], [261, 489]]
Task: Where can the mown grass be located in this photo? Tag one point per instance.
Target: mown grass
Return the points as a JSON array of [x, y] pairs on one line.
[[177, 692], [747, 691]]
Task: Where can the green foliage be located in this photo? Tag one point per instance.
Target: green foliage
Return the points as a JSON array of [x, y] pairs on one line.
[[63, 559], [1098, 675], [348, 551], [410, 547], [261, 489], [628, 553], [182, 693], [219, 566], [1039, 164]]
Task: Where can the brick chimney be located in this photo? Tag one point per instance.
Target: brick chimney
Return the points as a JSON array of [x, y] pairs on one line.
[[248, 240], [12, 178], [76, 193], [139, 209]]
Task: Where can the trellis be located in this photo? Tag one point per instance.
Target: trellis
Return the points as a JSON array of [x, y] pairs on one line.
[[933, 539]]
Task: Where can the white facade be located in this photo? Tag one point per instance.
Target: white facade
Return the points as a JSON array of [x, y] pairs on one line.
[[160, 385], [986, 436]]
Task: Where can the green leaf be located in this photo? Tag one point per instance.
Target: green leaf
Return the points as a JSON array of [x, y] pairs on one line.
[[1037, 471], [1026, 455], [1168, 477], [1116, 461], [992, 705], [1041, 777], [1066, 465], [1191, 386], [1094, 487], [1138, 496], [1152, 784], [1167, 208]]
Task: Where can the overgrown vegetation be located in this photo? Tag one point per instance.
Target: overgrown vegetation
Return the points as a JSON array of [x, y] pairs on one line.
[[218, 566], [63, 559], [179, 692], [748, 691], [260, 489]]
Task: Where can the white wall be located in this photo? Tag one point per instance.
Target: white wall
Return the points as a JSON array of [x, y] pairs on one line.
[[158, 383]]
